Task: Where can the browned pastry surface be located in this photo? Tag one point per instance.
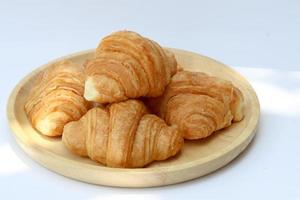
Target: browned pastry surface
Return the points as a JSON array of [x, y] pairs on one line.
[[122, 135], [199, 104], [57, 98], [128, 65]]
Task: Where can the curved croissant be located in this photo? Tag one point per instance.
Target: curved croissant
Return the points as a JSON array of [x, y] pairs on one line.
[[128, 65], [123, 135], [57, 98], [199, 104]]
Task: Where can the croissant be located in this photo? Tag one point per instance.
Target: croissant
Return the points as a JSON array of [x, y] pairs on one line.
[[122, 135], [57, 98], [128, 65], [199, 104]]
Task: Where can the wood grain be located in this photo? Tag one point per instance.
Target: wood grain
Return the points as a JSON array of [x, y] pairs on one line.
[[196, 159]]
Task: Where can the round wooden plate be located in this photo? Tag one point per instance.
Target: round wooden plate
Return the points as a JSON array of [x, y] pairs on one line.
[[196, 159]]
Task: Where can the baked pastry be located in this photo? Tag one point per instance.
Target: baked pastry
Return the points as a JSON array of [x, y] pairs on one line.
[[57, 98], [199, 104], [122, 135], [128, 65]]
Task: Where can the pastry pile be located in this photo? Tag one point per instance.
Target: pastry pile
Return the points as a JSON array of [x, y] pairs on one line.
[[130, 105]]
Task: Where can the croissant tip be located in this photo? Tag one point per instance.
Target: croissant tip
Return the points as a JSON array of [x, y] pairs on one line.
[[179, 142], [90, 91], [48, 128]]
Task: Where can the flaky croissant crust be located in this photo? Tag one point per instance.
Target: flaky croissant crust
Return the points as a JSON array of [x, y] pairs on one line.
[[122, 135], [199, 104], [57, 98], [128, 65]]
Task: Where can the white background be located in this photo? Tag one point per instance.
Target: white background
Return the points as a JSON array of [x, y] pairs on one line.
[[260, 39]]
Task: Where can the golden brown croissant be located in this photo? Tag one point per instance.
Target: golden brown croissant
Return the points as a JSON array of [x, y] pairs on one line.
[[199, 104], [57, 98], [122, 135], [128, 65]]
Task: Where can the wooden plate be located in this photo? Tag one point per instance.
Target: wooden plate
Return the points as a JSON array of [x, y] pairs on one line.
[[196, 159]]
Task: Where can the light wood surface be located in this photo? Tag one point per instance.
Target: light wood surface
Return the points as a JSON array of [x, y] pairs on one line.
[[196, 159]]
